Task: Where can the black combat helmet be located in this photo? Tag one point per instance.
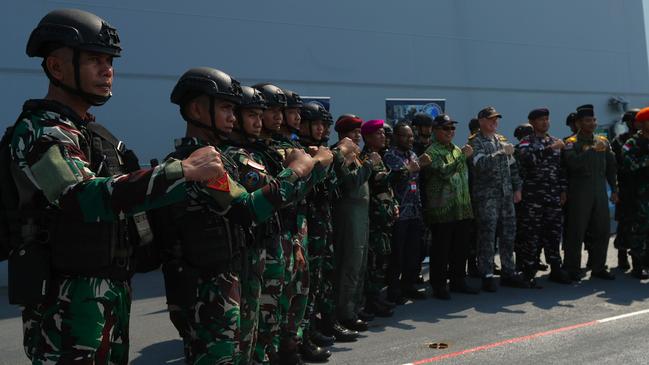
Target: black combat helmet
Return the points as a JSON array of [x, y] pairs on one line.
[[79, 30], [313, 111], [252, 98], [293, 100], [274, 95], [206, 81]]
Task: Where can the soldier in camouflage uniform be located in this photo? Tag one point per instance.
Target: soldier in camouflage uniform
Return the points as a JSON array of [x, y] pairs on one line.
[[624, 209], [540, 212], [72, 266], [384, 209], [636, 163], [283, 335], [203, 241], [322, 299], [315, 118], [590, 165], [496, 186]]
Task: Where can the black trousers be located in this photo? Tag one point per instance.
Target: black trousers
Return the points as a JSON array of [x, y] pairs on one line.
[[405, 257], [449, 251]]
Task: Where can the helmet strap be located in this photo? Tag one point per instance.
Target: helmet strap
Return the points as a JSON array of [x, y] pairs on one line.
[[92, 99]]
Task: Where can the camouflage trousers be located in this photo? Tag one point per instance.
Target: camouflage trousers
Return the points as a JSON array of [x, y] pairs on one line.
[[271, 290], [83, 320], [539, 227], [251, 283], [496, 214], [294, 300], [639, 234], [327, 303], [320, 288], [210, 327], [377, 260]]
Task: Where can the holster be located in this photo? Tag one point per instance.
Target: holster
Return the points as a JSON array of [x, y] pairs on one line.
[[29, 273], [181, 282]]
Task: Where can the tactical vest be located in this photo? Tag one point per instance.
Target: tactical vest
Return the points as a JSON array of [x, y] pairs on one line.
[[199, 237], [110, 253], [98, 249], [49, 241]]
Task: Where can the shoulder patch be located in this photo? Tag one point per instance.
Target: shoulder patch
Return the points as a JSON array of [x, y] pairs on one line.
[[627, 146]]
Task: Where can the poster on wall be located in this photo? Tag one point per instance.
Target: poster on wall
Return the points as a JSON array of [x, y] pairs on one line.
[[397, 109], [324, 100]]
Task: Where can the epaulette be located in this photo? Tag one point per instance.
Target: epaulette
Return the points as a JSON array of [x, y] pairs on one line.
[[472, 136], [571, 139], [602, 138], [501, 138]]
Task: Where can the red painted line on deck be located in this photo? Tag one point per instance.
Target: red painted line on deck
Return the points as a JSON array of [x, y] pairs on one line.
[[502, 343]]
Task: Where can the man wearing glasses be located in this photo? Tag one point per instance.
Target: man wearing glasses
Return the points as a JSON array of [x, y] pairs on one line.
[[447, 209], [496, 187]]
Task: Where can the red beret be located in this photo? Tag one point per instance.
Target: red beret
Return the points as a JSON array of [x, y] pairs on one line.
[[643, 115], [347, 123], [372, 126]]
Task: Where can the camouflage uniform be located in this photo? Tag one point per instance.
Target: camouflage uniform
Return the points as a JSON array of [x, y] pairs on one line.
[[382, 214], [495, 179], [624, 209], [84, 315], [276, 298], [636, 162], [253, 174], [540, 215], [209, 322], [321, 252]]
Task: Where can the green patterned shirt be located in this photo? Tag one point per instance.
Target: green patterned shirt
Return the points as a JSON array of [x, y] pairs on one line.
[[447, 185]]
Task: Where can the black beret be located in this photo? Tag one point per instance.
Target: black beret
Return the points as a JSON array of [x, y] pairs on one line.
[[586, 110], [538, 113]]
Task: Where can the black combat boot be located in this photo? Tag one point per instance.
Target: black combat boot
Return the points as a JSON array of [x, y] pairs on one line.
[[331, 327], [623, 260], [489, 284], [559, 275], [639, 271], [289, 351], [312, 352], [320, 339], [377, 309], [514, 281], [460, 286]]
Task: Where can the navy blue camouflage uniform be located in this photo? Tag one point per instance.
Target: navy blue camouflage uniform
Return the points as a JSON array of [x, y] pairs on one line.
[[540, 214]]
